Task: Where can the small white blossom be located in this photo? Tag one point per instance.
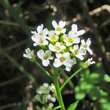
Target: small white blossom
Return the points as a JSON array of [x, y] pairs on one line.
[[88, 63], [40, 31], [29, 54], [78, 52], [46, 57], [57, 47], [39, 40], [70, 39], [44, 89], [73, 63], [75, 30], [86, 45], [59, 28], [52, 36], [63, 59]]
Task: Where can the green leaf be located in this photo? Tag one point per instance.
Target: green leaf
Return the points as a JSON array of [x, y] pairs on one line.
[[106, 78], [73, 106], [96, 77], [80, 95]]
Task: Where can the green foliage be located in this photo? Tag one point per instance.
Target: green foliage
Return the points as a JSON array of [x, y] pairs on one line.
[[94, 85], [73, 106]]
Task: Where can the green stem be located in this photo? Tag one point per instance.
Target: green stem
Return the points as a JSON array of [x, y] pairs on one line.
[[70, 78], [43, 69], [59, 96]]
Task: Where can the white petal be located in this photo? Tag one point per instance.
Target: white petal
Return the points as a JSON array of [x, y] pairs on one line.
[[40, 28], [89, 50], [68, 62], [45, 62], [66, 55], [92, 62], [45, 42], [35, 38], [40, 54], [57, 63], [62, 24], [68, 68], [82, 51], [51, 47], [48, 52], [74, 27], [63, 47], [25, 55], [80, 32], [58, 55], [51, 57], [54, 23], [83, 42], [76, 40], [71, 34], [35, 44], [51, 33], [88, 42], [45, 31], [76, 47], [57, 44], [63, 30], [80, 57]]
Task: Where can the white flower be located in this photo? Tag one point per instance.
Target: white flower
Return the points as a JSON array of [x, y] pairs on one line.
[[46, 57], [78, 52], [52, 36], [59, 28], [29, 54], [40, 31], [86, 45], [39, 40], [88, 63], [44, 89], [73, 63], [57, 47], [75, 30], [62, 59], [70, 39]]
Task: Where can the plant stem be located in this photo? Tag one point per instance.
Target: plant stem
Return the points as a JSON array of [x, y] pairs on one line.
[[59, 96], [43, 69], [70, 78]]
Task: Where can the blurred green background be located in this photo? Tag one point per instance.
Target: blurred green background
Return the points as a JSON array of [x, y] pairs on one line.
[[19, 78]]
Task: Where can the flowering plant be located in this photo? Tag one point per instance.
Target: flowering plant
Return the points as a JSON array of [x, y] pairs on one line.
[[59, 49]]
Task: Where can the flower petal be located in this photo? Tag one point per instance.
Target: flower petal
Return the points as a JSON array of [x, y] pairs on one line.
[[83, 42], [76, 40], [45, 62], [80, 32], [57, 63], [62, 24], [40, 54], [45, 31], [88, 42], [89, 50], [74, 27], [54, 23], [40, 28]]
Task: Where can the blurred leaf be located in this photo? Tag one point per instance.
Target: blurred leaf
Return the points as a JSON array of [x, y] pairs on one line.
[[99, 64], [79, 93], [85, 73], [106, 78], [94, 93], [96, 77], [73, 106]]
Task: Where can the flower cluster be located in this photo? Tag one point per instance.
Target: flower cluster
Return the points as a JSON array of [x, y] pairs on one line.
[[60, 47]]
